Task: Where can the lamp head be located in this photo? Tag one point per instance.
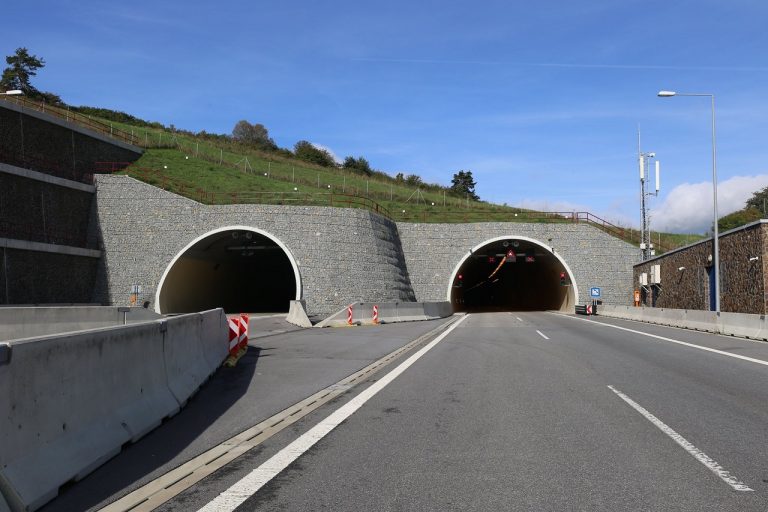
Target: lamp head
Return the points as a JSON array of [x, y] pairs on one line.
[[666, 94], [14, 92]]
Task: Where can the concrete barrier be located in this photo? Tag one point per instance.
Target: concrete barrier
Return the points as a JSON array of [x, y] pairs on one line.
[[71, 401], [700, 321], [390, 312], [213, 335], [297, 314], [411, 311], [734, 324], [747, 326], [27, 322]]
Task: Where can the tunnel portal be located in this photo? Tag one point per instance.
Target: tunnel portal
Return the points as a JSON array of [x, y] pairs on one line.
[[240, 270], [512, 274]]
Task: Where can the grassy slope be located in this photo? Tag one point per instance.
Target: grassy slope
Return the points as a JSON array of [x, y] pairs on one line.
[[219, 174]]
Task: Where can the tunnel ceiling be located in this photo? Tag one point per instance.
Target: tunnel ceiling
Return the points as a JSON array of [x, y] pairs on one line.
[[511, 275], [239, 270]]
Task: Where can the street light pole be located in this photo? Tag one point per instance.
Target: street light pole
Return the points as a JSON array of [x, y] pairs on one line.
[[715, 240]]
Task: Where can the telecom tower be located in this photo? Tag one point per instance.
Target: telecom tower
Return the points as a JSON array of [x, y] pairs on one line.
[[644, 160]]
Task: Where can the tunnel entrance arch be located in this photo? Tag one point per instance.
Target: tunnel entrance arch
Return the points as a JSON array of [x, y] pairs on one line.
[[238, 268], [512, 273]]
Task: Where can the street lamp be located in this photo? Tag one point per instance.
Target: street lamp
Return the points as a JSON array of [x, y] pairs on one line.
[[14, 92], [716, 242]]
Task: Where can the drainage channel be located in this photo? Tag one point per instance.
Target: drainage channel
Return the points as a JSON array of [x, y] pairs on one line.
[[155, 493]]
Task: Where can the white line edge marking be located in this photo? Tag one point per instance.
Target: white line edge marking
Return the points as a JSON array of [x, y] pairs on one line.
[[256, 479], [542, 335], [702, 457], [671, 340]]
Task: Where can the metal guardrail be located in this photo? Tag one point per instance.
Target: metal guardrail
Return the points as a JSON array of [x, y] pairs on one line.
[[73, 117]]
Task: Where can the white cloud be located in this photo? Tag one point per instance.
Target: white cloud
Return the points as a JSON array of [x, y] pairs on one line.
[[688, 207]]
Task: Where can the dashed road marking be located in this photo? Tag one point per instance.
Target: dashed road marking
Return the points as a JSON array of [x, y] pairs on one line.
[[699, 455]]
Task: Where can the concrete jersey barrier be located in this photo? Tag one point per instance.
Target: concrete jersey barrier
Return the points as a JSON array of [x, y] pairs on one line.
[[733, 324], [70, 402], [27, 322], [389, 312]]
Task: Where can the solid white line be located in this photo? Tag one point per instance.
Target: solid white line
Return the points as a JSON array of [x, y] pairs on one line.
[[671, 340], [697, 454], [256, 479], [542, 335]]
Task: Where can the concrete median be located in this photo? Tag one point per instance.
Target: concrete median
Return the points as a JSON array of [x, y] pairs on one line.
[[187, 351], [70, 402], [27, 322], [733, 324], [389, 312]]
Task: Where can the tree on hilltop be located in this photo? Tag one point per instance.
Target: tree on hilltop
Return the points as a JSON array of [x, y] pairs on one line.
[[305, 150], [758, 201], [253, 134], [22, 66], [463, 183], [358, 164]]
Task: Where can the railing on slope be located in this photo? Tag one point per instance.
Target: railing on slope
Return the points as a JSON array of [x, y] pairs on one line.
[[73, 117], [434, 214]]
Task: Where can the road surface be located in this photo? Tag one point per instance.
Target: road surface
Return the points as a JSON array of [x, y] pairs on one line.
[[496, 411]]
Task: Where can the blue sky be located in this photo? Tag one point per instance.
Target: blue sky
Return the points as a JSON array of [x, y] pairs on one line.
[[541, 101]]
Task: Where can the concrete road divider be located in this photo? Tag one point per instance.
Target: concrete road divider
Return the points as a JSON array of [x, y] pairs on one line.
[[26, 322], [733, 324], [213, 324], [70, 402], [297, 314], [390, 312], [187, 352]]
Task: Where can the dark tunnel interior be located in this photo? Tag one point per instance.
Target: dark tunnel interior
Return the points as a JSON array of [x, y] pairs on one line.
[[238, 270], [512, 275]]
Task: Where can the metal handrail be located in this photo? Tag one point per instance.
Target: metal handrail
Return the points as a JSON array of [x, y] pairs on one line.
[[74, 117]]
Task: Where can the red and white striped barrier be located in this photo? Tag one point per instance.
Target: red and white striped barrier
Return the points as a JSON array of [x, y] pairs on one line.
[[234, 335], [238, 335], [349, 315], [375, 314], [243, 334]]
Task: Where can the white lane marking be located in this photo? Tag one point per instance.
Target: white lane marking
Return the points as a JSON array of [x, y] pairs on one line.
[[519, 319], [542, 335], [702, 457], [671, 340], [256, 479]]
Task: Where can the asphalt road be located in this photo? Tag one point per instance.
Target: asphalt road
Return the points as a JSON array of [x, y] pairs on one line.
[[509, 411]]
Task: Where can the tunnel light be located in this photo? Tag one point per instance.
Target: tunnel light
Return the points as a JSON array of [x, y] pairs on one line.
[[562, 279]]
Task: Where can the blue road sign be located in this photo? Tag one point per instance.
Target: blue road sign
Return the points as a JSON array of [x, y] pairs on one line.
[[594, 292]]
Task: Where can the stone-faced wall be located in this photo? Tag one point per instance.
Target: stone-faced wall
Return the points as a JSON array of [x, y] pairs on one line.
[[685, 273], [343, 255], [597, 259], [41, 142]]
